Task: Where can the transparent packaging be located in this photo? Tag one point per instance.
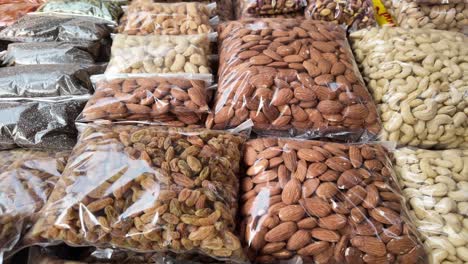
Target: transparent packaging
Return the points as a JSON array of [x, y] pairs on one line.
[[13, 11], [96, 8], [257, 8]]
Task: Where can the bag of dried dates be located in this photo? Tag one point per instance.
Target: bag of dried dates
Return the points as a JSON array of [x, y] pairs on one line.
[[319, 202], [25, 185], [352, 14], [169, 99], [258, 8], [291, 76], [107, 10], [148, 189]]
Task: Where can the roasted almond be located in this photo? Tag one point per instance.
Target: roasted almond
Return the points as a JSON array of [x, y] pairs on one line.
[[281, 232]]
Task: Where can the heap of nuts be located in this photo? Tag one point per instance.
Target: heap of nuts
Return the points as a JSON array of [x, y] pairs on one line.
[[159, 54], [148, 189], [257, 8], [436, 185], [148, 18], [353, 13], [418, 79], [169, 100], [291, 75], [323, 203], [452, 16]]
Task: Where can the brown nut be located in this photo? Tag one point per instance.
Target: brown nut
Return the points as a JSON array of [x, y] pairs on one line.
[[257, 8]]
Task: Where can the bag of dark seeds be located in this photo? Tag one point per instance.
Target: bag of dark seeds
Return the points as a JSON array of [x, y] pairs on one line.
[[96, 8]]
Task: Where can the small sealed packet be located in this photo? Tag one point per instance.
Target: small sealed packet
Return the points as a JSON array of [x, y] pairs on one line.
[[258, 8], [95, 8]]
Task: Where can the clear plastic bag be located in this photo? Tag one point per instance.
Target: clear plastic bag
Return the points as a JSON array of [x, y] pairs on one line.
[[28, 81], [46, 28], [148, 189], [174, 100], [435, 2], [51, 53], [317, 202], [43, 124], [95, 8], [257, 8], [411, 14], [159, 54], [418, 80], [24, 188], [435, 184], [291, 76], [13, 11], [145, 17], [352, 14]]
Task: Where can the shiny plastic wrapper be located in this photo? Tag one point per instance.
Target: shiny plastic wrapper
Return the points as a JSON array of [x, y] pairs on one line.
[[318, 202], [435, 2], [38, 2], [96, 8], [410, 14], [353, 14], [291, 76], [159, 54], [435, 184], [148, 189], [145, 17], [418, 80], [28, 81], [257, 8], [13, 11], [24, 188], [174, 100], [40, 124], [45, 28]]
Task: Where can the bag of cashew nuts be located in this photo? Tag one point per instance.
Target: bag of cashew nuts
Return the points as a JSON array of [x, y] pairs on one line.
[[435, 184], [452, 16], [258, 8], [169, 99], [316, 202], [143, 17], [148, 189], [24, 188], [291, 77], [352, 14], [418, 79], [160, 54]]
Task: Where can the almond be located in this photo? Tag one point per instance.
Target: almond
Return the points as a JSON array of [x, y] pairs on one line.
[[224, 115], [310, 155], [323, 93], [309, 187], [265, 176], [330, 107], [299, 240], [260, 60], [324, 46], [282, 97], [340, 164], [326, 190], [298, 113], [400, 245], [269, 153], [355, 156], [291, 192], [281, 232], [284, 50], [316, 169], [349, 179], [283, 175], [291, 213], [313, 249], [304, 94], [273, 247], [250, 155], [333, 222], [293, 58], [307, 223], [369, 228], [325, 234], [197, 95], [316, 206], [356, 111], [138, 109], [370, 245], [324, 79], [356, 195], [290, 159], [259, 166], [385, 216], [324, 66], [270, 53], [338, 69], [311, 68]]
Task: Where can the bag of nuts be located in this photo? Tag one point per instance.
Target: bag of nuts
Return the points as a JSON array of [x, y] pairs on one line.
[[352, 14], [291, 76], [145, 17], [107, 10], [24, 188], [318, 202], [258, 8], [174, 100], [436, 185], [413, 14], [418, 79], [159, 54], [148, 189]]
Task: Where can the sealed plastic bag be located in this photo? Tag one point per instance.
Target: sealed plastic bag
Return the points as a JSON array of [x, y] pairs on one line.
[[95, 8], [175, 100], [257, 8], [410, 14], [418, 79], [435, 2], [185, 18], [43, 124], [13, 11], [159, 54], [47, 80], [317, 202], [24, 188], [148, 189], [51, 53], [291, 76], [45, 28], [352, 14], [436, 185]]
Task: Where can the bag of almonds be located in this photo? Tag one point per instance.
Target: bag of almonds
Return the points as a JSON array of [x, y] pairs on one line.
[[160, 54], [24, 188], [318, 202], [170, 99], [148, 189], [435, 184], [352, 14], [258, 8], [291, 76], [143, 17], [418, 80]]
